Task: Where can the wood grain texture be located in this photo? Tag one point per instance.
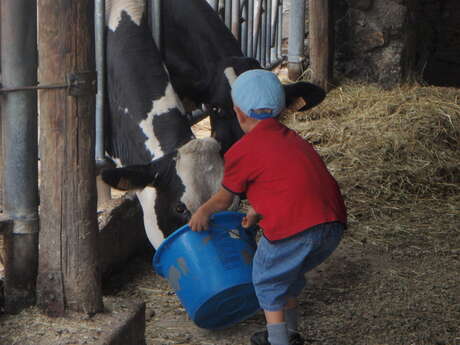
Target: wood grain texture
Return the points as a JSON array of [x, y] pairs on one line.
[[68, 262]]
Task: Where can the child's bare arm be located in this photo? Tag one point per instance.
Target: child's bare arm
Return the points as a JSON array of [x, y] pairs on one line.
[[218, 202]]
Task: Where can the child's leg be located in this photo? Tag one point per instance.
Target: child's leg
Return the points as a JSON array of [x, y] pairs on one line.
[[277, 331], [291, 315], [272, 278]]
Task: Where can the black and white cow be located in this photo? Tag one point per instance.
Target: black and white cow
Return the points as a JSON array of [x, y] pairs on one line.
[[204, 58], [148, 135]]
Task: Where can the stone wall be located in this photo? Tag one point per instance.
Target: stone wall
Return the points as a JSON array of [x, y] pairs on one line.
[[374, 40], [391, 41]]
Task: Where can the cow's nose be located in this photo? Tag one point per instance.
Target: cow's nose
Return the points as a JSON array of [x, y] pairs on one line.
[[187, 215]]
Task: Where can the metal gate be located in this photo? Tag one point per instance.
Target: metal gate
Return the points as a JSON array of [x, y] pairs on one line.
[[256, 24]]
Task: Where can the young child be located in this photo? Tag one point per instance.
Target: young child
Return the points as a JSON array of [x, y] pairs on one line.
[[292, 195]]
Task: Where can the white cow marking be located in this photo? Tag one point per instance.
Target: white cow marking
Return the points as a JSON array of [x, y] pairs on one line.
[[230, 74], [161, 106], [117, 161], [114, 8], [200, 167], [147, 199]]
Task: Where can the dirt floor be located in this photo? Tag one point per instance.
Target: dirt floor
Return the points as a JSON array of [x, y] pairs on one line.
[[362, 295], [395, 278]]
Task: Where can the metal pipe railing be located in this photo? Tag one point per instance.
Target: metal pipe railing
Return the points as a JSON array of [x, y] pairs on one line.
[[155, 17], [236, 19], [296, 37], [280, 31], [263, 33], [269, 32], [244, 27], [250, 49], [20, 137], [228, 13], [257, 30], [99, 33]]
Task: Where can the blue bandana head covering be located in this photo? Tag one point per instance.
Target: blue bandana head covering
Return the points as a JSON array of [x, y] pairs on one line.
[[259, 89]]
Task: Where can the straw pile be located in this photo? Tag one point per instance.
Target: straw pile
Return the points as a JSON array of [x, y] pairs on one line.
[[396, 156]]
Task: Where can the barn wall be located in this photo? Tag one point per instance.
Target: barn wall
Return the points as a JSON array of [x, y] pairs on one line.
[[373, 40], [391, 41]]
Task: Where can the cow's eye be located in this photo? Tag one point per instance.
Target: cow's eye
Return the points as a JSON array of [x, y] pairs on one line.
[[180, 208]]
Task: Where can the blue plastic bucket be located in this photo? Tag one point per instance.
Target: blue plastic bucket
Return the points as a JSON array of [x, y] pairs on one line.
[[210, 271]]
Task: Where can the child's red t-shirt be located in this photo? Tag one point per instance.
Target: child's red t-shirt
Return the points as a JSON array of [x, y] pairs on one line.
[[285, 180]]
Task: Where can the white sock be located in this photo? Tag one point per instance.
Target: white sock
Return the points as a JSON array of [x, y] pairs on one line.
[[278, 334]]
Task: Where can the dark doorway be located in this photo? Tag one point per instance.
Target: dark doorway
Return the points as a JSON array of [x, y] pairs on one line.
[[439, 41]]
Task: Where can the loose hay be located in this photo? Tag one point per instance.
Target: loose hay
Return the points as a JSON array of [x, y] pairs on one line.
[[396, 155]]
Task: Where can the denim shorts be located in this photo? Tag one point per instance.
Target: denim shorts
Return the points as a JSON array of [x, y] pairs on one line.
[[279, 267]]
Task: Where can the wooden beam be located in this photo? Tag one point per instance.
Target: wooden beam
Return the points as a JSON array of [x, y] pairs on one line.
[[321, 40], [68, 259]]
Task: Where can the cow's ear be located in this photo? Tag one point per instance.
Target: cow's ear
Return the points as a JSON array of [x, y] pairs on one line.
[[130, 178], [302, 96]]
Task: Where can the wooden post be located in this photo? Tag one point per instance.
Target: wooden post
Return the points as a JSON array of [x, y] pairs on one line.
[[321, 42], [68, 260]]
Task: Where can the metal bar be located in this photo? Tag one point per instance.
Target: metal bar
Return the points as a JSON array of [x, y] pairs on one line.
[[273, 37], [280, 31], [257, 31], [296, 38], [274, 63], [19, 67], [250, 26], [269, 31], [275, 22], [263, 36], [155, 14], [99, 34], [236, 19], [244, 27], [34, 88], [228, 13], [221, 9], [103, 190]]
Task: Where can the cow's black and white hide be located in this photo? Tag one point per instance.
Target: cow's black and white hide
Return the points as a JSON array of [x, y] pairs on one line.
[[172, 187], [148, 136], [204, 58]]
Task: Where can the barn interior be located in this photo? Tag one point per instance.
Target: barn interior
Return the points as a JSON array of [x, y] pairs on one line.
[[393, 147]]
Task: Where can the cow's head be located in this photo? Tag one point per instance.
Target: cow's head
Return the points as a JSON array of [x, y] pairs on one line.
[[171, 188]]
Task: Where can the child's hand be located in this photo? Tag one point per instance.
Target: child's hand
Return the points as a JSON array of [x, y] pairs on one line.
[[251, 219], [199, 221]]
